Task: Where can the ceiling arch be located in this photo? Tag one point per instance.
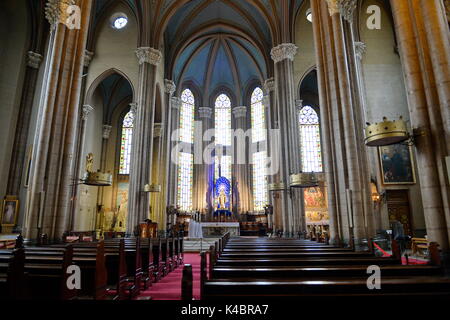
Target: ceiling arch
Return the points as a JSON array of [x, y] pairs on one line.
[[219, 43]]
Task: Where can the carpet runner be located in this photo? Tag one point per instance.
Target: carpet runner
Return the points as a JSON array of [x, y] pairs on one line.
[[169, 288]]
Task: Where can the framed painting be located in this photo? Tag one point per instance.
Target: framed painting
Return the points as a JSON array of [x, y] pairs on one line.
[[397, 166], [10, 210]]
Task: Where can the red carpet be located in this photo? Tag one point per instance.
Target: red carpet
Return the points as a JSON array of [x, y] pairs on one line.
[[169, 288], [404, 261]]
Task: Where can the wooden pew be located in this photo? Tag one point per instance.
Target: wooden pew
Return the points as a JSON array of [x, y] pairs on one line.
[[297, 272], [47, 275], [12, 274], [134, 267], [148, 267], [166, 259], [159, 266], [117, 272]]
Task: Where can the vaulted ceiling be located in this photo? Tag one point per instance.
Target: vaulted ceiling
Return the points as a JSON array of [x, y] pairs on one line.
[[214, 43]]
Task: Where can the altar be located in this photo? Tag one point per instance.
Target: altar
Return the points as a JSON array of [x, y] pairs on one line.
[[220, 228]]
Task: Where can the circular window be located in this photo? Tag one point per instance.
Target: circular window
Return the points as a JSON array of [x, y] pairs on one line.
[[119, 21]]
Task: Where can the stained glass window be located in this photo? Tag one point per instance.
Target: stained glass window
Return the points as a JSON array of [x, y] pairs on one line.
[[185, 174], [125, 145], [225, 167], [311, 151], [258, 116], [223, 120], [260, 183], [187, 117], [186, 160]]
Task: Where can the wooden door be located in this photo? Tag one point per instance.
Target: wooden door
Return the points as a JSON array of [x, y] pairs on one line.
[[399, 209]]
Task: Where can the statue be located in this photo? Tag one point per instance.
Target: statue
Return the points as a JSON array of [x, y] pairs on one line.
[[222, 199], [90, 162]]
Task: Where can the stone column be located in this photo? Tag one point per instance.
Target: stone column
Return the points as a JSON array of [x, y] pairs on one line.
[[173, 170], [48, 209], [140, 175], [79, 157], [158, 165], [202, 190], [23, 123], [333, 144], [169, 89], [273, 126], [427, 89], [242, 170], [283, 56]]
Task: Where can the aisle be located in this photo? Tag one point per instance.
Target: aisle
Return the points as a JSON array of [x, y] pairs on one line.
[[169, 288]]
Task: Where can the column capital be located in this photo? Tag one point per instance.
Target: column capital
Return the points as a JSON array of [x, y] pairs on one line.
[[298, 104], [269, 85], [333, 6], [360, 49], [240, 112], [158, 130], [347, 9], [106, 131], [169, 87], [52, 13], [205, 112], [34, 59], [88, 56], [134, 108], [56, 12], [87, 109], [284, 51], [148, 55], [176, 102]]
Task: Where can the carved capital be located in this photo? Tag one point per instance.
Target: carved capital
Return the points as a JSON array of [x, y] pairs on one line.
[[34, 59], [158, 130], [333, 7], [106, 131], [240, 112], [205, 112], [148, 55], [88, 56], [269, 85], [169, 87], [298, 104], [347, 9], [284, 51], [176, 103], [87, 109], [134, 109], [56, 11], [360, 49]]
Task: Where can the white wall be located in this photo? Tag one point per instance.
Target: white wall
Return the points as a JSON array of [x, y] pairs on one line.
[[116, 48], [13, 48], [304, 40], [386, 96]]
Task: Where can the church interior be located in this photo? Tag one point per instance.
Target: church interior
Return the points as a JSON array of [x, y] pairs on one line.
[[214, 149]]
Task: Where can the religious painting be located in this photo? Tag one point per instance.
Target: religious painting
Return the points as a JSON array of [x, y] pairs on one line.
[[317, 217], [397, 164], [9, 212], [315, 198], [122, 207]]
